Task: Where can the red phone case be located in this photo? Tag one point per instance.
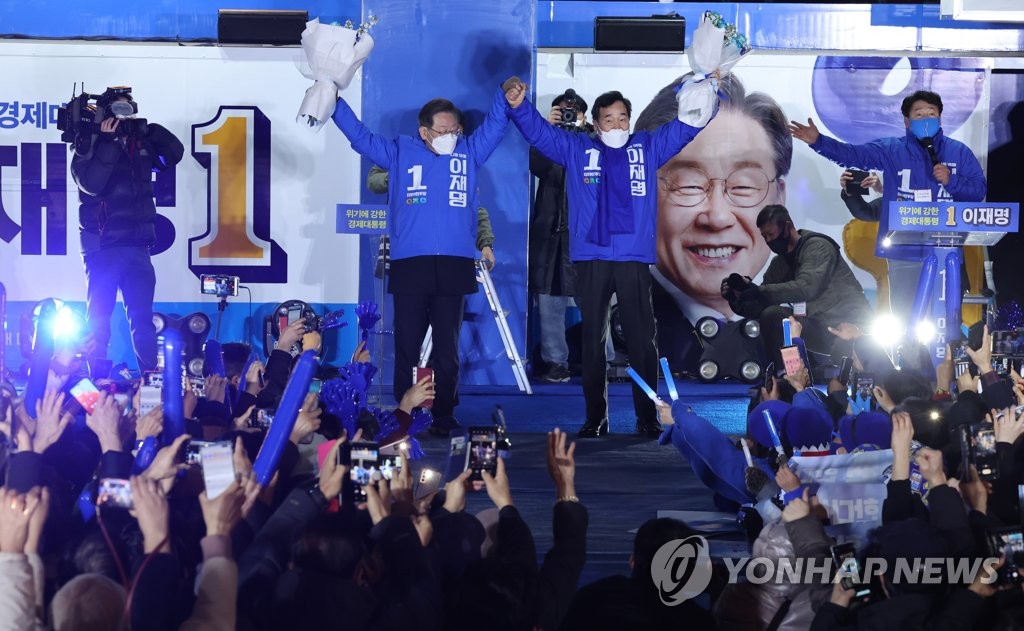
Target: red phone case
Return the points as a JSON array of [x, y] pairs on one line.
[[417, 375]]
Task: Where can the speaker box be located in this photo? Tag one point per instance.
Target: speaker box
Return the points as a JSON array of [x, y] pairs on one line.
[[277, 28], [651, 34]]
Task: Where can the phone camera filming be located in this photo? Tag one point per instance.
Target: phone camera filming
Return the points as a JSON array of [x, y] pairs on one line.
[[218, 285]]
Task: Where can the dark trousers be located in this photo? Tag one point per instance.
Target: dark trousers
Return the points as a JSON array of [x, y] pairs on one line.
[[596, 281], [815, 333], [413, 313], [129, 269]]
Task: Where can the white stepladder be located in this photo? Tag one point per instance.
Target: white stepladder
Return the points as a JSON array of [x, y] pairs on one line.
[[483, 276]]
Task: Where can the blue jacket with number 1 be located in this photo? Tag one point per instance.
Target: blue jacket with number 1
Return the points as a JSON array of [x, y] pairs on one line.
[[432, 198], [908, 168], [582, 155]]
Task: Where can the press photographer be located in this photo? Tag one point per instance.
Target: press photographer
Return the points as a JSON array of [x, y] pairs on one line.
[[116, 154], [551, 275], [807, 272]]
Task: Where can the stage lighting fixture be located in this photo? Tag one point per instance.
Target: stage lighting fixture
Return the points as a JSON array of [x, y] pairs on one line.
[[887, 330], [198, 323], [160, 322], [67, 325], [708, 370], [752, 328], [925, 331], [194, 329], [195, 366], [750, 370], [708, 328], [731, 349]]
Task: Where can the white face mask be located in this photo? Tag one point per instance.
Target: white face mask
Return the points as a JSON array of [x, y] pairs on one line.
[[445, 144], [615, 138]]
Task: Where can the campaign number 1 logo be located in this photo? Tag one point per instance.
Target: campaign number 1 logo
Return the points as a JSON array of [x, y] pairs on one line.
[[681, 569]]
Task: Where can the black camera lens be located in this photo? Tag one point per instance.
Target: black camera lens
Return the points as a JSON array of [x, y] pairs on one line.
[[736, 282], [569, 115]]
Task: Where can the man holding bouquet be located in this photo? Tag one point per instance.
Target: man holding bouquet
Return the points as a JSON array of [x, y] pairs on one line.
[[433, 229], [612, 186]]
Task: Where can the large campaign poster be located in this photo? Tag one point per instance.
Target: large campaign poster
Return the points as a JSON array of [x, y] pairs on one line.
[[853, 99], [255, 195]]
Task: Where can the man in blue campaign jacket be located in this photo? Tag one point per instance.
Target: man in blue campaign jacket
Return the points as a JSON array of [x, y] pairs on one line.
[[923, 166], [610, 180], [433, 223]]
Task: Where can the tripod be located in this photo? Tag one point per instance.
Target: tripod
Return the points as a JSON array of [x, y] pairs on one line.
[[221, 306]]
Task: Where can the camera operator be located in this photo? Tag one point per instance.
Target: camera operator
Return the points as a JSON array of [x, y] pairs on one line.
[[808, 268], [551, 275], [114, 173]]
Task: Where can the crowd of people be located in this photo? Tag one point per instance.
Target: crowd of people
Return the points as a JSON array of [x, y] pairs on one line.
[[91, 537], [298, 553]]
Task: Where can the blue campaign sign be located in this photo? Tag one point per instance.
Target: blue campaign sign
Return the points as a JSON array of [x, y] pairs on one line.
[[362, 219], [949, 223]]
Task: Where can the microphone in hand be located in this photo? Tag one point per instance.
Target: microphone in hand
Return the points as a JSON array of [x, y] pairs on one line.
[[929, 146]]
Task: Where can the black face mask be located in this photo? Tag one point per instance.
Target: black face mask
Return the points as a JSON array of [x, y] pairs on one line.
[[780, 244]]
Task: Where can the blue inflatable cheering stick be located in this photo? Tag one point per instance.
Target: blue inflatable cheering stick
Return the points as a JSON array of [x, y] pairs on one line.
[[213, 364], [213, 359], [42, 353], [172, 392], [284, 421]]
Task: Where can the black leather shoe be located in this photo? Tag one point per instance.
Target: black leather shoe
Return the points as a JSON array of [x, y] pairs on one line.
[[593, 430], [648, 428]]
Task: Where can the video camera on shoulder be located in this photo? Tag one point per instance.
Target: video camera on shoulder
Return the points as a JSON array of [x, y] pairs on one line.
[[79, 119]]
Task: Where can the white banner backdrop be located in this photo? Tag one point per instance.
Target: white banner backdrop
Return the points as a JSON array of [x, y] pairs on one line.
[[254, 195]]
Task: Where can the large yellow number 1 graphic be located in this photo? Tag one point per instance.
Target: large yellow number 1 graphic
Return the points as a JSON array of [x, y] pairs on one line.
[[234, 148], [232, 144]]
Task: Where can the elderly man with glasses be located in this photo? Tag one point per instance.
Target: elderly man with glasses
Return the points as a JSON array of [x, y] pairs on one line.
[[709, 195], [432, 226]]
